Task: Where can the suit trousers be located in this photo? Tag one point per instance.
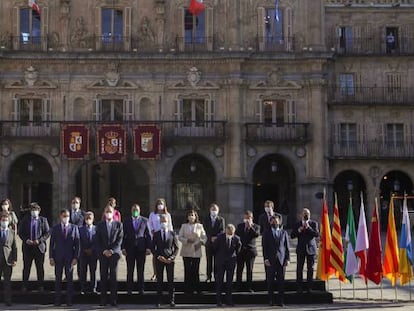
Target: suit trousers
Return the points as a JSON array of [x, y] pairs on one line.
[[60, 265], [31, 253], [86, 261], [310, 260], [245, 258], [159, 268], [6, 273], [226, 268], [108, 268], [211, 270], [191, 274], [275, 271], [135, 258]]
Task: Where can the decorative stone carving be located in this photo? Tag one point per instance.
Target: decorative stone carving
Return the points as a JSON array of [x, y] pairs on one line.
[[79, 36], [193, 76], [5, 39], [275, 80], [54, 39], [64, 7], [146, 35], [30, 76], [112, 78]]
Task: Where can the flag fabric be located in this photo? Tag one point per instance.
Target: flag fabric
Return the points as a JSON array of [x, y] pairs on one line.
[[390, 265], [406, 253], [277, 10], [337, 251], [196, 7], [362, 242], [374, 262], [324, 268], [35, 7], [351, 261]]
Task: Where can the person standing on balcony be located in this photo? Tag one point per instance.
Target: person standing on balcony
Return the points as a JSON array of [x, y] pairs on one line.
[[390, 41]]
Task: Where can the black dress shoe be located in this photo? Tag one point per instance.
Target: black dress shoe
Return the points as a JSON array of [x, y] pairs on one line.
[[69, 304], [172, 304], [8, 303], [219, 304], [158, 305], [114, 304], [141, 292], [271, 303], [57, 304], [281, 304]]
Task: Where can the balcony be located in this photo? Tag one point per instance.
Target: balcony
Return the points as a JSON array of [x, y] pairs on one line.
[[195, 44], [371, 96], [276, 44], [277, 132], [112, 43], [371, 149], [29, 43]]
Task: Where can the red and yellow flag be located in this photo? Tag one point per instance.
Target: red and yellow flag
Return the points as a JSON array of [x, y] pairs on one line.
[[337, 251], [391, 257], [324, 269]]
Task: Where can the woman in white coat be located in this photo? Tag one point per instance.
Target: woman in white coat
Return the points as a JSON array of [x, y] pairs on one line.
[[192, 236]]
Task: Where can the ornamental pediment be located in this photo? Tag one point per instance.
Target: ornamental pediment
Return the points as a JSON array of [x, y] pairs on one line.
[[31, 80], [275, 80], [113, 82], [194, 81]]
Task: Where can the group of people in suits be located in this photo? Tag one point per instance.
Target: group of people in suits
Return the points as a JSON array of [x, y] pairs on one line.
[[77, 241]]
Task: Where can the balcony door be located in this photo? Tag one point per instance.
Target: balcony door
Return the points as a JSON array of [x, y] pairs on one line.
[[31, 115], [195, 117]]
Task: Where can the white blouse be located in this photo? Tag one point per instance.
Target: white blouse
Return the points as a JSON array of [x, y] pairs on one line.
[[154, 222]]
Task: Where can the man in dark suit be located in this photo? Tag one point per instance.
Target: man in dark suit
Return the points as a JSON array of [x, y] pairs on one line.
[[165, 250], [109, 235], [275, 243], [136, 246], [248, 233], [8, 255], [227, 246], [64, 254], [306, 231], [213, 225], [264, 219], [34, 231], [77, 216], [88, 253]]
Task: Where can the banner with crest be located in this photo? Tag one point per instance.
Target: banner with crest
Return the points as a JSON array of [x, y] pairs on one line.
[[111, 143], [74, 141], [147, 141]]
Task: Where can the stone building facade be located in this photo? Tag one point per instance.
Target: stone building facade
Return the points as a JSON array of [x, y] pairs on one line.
[[254, 102]]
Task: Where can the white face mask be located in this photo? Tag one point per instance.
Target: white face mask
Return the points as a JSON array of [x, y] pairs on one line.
[[75, 206], [4, 224], [246, 221], [5, 207], [109, 215], [34, 214], [164, 225], [65, 220], [268, 210], [229, 236], [160, 207], [213, 213]]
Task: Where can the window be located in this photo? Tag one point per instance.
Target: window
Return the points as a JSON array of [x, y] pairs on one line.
[[345, 35], [394, 91], [394, 135], [31, 111], [114, 110], [274, 33], [195, 112], [194, 27], [346, 84], [348, 135], [391, 39], [276, 112], [112, 26], [30, 27]]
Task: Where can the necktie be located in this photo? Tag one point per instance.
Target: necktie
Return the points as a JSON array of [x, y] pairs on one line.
[[246, 228], [89, 234], [33, 229], [3, 236], [164, 236], [64, 231], [229, 243], [135, 225]]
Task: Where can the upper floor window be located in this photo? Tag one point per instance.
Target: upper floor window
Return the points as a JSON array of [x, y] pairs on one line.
[[112, 26], [30, 27], [194, 27], [394, 135], [274, 26], [275, 29], [31, 111], [348, 134], [195, 112], [276, 112], [114, 110], [346, 84], [345, 35]]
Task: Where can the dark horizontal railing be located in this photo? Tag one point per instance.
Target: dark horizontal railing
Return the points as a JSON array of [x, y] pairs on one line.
[[371, 45], [277, 132], [112, 43], [371, 95], [29, 43], [276, 44], [170, 129], [194, 44], [371, 149]]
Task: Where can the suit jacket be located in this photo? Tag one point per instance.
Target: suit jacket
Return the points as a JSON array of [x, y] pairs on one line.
[[85, 241], [78, 219], [196, 231], [248, 239], [306, 239], [213, 231], [43, 231], [112, 242], [264, 221], [222, 251], [276, 249], [62, 248], [168, 248], [9, 248], [141, 239]]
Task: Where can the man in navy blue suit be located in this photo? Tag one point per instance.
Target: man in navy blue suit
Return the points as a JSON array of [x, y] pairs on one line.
[[64, 254], [227, 246], [88, 256], [275, 243], [135, 246], [109, 235]]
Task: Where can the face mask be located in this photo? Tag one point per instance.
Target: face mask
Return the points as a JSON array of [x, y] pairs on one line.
[[135, 214], [75, 205], [4, 224], [275, 226], [229, 236], [34, 214], [164, 225], [191, 218], [268, 210], [306, 217], [213, 213], [109, 215], [160, 207], [246, 221], [65, 220], [5, 207]]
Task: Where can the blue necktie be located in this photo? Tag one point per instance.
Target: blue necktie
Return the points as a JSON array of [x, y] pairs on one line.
[[3, 236]]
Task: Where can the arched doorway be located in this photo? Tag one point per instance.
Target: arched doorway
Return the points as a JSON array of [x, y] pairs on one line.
[[193, 186], [349, 184], [394, 183], [30, 180], [274, 179], [127, 182]]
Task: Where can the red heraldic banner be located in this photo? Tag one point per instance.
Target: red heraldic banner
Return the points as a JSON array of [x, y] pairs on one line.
[[147, 142], [75, 141], [111, 143]]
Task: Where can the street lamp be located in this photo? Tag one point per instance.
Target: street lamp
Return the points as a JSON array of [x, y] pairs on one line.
[[273, 167], [193, 167], [30, 166], [396, 185]]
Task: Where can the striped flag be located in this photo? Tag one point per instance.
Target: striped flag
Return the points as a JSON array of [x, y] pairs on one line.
[[362, 242], [35, 7], [351, 262], [374, 262], [324, 269], [196, 7], [337, 252], [390, 265], [405, 268]]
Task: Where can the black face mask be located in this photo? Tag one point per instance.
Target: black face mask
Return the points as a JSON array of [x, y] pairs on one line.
[[306, 217], [275, 226]]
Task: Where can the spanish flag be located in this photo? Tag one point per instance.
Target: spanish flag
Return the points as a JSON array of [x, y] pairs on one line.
[[391, 258], [405, 268], [196, 7], [324, 269], [337, 252]]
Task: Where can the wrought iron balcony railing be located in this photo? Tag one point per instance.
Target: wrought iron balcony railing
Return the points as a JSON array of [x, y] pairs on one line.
[[370, 96], [194, 44], [276, 44], [29, 43], [277, 132]]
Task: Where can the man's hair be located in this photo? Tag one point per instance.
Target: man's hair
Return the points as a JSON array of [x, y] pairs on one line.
[[268, 202], [64, 210]]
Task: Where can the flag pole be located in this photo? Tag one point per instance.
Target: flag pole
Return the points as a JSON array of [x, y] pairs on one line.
[[366, 286], [381, 291], [340, 289], [396, 295], [409, 285], [353, 287]]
